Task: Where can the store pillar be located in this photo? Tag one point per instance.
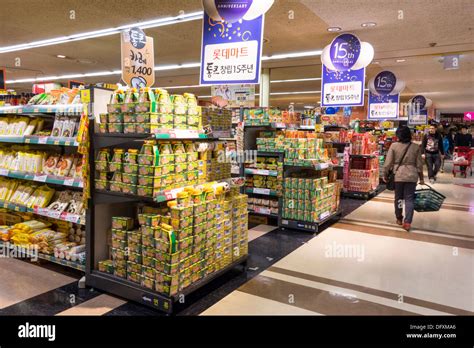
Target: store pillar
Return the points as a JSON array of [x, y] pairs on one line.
[[265, 88]]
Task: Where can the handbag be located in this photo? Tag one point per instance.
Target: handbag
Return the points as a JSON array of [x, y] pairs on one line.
[[391, 174]]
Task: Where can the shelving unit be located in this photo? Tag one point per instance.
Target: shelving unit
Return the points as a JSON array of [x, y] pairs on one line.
[[21, 251], [43, 178], [100, 210], [93, 108], [309, 226]]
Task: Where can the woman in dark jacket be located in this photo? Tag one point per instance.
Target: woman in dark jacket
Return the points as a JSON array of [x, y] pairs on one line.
[[407, 174]]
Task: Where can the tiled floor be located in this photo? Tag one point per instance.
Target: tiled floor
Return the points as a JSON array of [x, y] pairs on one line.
[[366, 265], [363, 264]]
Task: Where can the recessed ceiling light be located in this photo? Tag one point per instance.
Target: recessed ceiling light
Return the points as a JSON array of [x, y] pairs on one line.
[[309, 107], [60, 56], [368, 25], [334, 29], [401, 60], [376, 62]]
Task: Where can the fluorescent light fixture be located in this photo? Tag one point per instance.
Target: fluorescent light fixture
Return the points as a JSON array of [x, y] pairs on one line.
[[296, 92], [297, 80], [309, 107], [368, 25], [334, 29], [105, 32], [60, 56], [292, 55], [401, 60], [181, 66]]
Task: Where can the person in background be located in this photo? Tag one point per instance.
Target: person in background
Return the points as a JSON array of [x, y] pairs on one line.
[[463, 138], [407, 174], [433, 152], [446, 151], [451, 138]]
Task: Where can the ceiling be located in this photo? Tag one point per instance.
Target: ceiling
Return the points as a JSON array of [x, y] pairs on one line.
[[419, 31]]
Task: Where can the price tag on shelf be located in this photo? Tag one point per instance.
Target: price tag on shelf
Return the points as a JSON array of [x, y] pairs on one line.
[[69, 181], [20, 111], [4, 172], [35, 110], [171, 194], [262, 210], [40, 178], [17, 208], [262, 172], [56, 142], [261, 191], [53, 214], [42, 140], [71, 218], [324, 215]]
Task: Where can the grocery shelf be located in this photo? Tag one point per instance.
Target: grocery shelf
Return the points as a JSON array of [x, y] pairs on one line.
[[270, 153], [133, 291], [261, 191], [43, 178], [264, 172], [64, 216], [315, 166], [363, 156], [42, 256], [360, 195], [42, 109], [132, 197], [257, 212], [308, 226], [43, 140]]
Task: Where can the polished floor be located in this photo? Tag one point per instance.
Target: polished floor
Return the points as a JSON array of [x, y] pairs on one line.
[[362, 265], [367, 265]]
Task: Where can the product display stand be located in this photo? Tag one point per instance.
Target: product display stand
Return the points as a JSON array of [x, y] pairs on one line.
[[307, 226], [104, 204], [265, 192], [68, 145]]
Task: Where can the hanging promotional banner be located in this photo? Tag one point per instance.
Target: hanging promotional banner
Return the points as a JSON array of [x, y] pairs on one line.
[[343, 71], [469, 116], [342, 88], [419, 101], [383, 107], [232, 37], [231, 53], [384, 82], [138, 58], [417, 117], [233, 96]]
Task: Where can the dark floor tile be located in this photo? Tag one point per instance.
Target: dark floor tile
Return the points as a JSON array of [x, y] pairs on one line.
[[52, 302]]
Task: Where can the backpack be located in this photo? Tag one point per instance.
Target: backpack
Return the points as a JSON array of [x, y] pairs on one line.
[[446, 144]]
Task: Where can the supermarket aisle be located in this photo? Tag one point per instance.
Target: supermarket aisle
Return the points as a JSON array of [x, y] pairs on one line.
[[29, 289], [367, 265]]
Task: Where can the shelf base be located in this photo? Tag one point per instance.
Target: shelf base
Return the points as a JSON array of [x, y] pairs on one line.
[[134, 292], [361, 195], [305, 226]]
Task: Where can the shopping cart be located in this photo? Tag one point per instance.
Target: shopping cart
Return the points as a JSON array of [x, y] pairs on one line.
[[462, 160], [428, 199]]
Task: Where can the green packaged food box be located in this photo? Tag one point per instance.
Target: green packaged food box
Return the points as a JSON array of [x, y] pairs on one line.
[[122, 223]]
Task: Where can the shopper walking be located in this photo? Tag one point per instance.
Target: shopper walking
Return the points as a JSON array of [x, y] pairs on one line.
[[404, 158], [451, 138], [464, 138], [433, 151]]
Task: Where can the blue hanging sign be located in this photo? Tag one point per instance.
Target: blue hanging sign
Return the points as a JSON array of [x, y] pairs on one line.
[[231, 52], [383, 107], [342, 88]]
